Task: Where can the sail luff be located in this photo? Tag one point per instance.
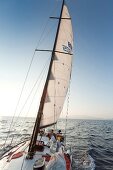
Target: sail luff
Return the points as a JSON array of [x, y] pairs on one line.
[[40, 111]]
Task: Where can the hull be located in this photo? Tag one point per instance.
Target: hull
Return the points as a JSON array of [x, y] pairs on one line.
[[16, 158]]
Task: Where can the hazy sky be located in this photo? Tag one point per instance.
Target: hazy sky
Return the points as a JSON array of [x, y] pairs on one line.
[[22, 23]]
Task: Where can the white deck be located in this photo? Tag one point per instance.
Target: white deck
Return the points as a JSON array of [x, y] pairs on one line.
[[21, 163]]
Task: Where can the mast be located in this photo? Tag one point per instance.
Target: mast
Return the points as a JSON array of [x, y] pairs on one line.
[[41, 106]]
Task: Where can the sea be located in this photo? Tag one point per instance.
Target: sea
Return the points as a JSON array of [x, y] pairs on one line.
[[91, 141]]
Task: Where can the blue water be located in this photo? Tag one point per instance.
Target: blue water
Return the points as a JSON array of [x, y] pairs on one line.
[[89, 139]]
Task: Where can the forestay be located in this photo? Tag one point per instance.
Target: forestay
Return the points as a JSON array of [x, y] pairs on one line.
[[60, 72]]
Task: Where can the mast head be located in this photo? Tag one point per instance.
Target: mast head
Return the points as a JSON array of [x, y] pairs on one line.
[[63, 2]]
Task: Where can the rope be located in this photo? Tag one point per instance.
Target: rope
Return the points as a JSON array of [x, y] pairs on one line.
[[23, 163]]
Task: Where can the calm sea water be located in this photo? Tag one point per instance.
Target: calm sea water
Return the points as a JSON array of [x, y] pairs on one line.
[[90, 139]]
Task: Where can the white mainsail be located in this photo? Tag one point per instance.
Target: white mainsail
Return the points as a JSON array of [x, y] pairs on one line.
[[60, 72]]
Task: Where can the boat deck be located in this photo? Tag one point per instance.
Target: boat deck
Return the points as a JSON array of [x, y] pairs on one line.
[[15, 159]]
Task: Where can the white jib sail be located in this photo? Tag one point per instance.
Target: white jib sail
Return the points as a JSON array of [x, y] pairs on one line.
[[60, 72]]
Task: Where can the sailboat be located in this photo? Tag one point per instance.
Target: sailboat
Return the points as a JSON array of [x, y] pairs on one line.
[[40, 152]]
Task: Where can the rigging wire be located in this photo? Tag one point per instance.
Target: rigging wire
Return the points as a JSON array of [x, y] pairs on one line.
[[67, 112], [68, 103], [23, 163], [36, 82], [42, 73], [26, 77]]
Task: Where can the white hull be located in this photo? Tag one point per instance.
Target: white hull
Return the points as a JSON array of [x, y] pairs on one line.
[[15, 159]]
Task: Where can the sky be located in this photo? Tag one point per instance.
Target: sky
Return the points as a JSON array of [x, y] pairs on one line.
[[21, 26]]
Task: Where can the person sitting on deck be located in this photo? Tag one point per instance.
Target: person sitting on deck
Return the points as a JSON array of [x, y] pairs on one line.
[[42, 132], [53, 136]]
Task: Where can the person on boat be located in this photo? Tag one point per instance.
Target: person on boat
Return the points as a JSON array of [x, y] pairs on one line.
[[51, 135], [53, 139], [42, 132], [59, 136], [59, 145], [59, 132]]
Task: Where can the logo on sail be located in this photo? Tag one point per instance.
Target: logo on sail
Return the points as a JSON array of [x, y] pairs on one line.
[[68, 47]]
